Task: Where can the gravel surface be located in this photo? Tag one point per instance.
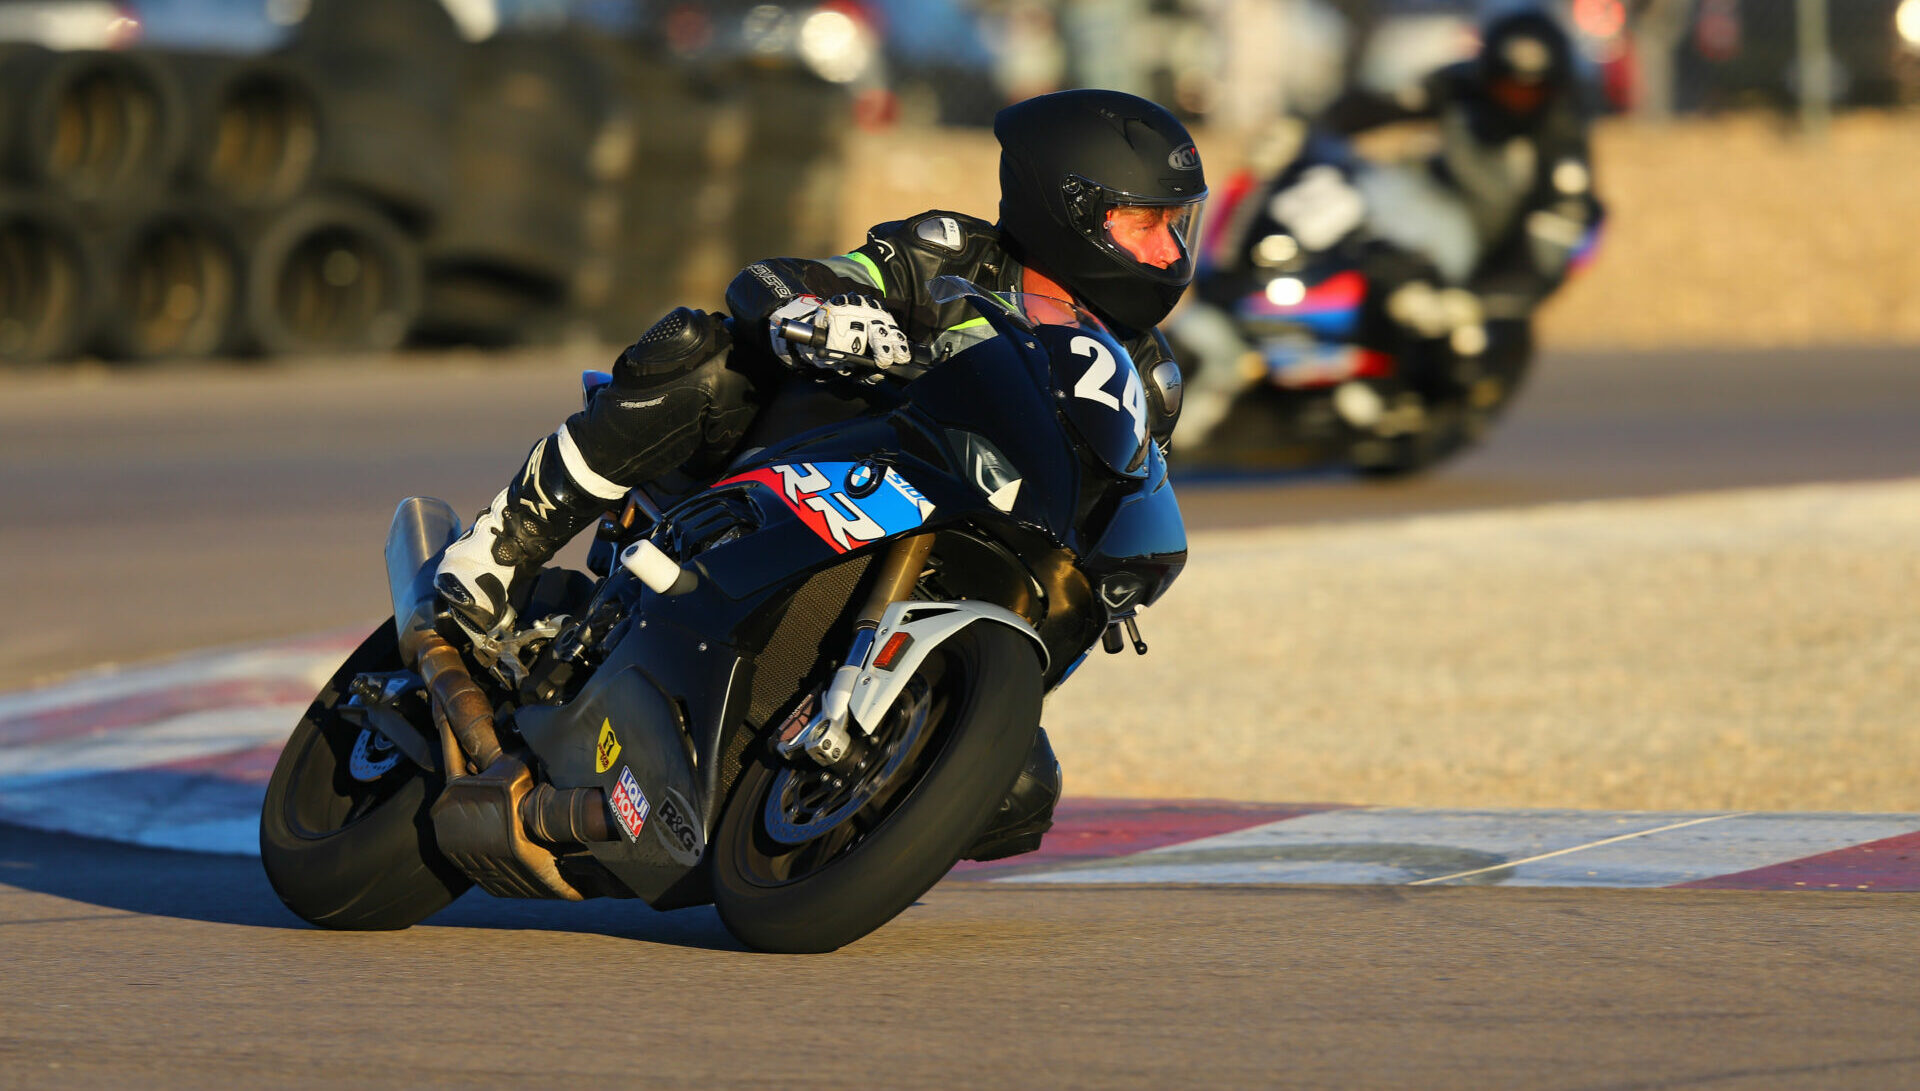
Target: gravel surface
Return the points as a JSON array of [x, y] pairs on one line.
[[1753, 649]]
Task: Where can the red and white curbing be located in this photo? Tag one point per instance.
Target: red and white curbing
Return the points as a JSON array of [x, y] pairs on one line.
[[174, 755], [177, 756]]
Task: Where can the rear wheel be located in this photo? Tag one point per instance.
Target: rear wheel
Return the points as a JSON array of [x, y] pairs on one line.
[[810, 859], [345, 835]]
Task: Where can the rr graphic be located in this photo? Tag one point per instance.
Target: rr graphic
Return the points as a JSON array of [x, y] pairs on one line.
[[838, 519]]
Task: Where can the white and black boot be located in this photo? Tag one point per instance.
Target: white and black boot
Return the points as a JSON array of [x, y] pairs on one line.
[[555, 496]]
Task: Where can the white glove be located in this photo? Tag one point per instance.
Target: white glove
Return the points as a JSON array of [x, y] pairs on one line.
[[859, 332]]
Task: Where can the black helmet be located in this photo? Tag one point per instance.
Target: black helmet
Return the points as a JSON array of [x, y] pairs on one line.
[[1526, 62], [1068, 162]]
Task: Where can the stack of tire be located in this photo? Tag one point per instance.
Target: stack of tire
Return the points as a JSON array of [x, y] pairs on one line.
[[165, 204], [380, 179]]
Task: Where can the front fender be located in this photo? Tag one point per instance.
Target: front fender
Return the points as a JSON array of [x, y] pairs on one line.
[[928, 624]]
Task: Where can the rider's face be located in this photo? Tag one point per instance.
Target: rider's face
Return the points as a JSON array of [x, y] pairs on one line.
[[1147, 233]]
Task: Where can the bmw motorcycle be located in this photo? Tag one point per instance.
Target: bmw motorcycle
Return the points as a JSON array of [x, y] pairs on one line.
[[800, 692], [1322, 333]]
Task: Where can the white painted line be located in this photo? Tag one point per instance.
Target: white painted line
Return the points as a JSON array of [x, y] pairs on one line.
[[1708, 850], [1516, 864]]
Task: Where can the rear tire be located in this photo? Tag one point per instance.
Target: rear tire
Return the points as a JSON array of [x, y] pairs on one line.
[[981, 692], [345, 854]]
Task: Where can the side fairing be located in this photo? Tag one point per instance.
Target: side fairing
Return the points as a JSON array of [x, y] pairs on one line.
[[647, 729]]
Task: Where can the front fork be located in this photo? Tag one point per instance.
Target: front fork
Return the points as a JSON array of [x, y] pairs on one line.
[[821, 733]]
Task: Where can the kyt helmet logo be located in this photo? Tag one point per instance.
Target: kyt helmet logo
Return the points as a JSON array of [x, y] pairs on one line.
[[1184, 158]]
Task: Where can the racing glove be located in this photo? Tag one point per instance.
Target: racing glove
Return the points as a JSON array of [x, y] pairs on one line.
[[855, 332]]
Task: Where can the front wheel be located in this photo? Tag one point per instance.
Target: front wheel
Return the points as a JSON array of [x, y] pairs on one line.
[[344, 834], [809, 859]]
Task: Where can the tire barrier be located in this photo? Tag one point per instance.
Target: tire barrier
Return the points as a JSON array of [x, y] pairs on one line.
[[388, 71], [379, 180], [668, 163], [172, 285], [93, 126], [255, 137], [49, 277], [511, 238], [331, 274]]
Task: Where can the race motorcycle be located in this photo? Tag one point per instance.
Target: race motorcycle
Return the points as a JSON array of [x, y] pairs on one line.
[[1323, 332], [800, 692]]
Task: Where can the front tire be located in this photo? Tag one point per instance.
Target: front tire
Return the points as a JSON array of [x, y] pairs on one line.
[[960, 735], [345, 852]]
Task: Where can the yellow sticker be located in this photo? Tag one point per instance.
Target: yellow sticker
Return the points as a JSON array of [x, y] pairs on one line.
[[607, 750]]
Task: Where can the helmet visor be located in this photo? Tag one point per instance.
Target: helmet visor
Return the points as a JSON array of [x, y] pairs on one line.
[[1155, 236]]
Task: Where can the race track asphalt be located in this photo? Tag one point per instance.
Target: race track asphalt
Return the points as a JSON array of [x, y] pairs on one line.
[[147, 513]]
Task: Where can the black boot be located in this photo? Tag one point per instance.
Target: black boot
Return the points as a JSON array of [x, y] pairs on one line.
[[520, 531], [1027, 812]]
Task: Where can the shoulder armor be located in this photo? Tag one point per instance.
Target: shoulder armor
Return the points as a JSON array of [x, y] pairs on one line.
[[946, 234]]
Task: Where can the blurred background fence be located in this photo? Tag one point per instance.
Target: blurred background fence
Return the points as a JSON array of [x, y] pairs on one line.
[[191, 178]]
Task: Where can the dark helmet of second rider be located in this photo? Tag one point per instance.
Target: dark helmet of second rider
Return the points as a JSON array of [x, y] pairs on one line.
[[1525, 69]]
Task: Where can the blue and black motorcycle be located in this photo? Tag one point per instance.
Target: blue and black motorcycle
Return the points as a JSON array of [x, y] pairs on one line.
[[801, 692]]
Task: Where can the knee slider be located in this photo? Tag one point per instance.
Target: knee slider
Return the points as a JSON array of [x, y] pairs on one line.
[[674, 346]]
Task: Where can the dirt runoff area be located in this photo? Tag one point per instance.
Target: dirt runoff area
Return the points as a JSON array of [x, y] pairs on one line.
[[1722, 232], [1745, 650]]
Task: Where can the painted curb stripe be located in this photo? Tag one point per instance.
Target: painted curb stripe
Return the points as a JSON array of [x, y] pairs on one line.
[[1095, 829], [136, 710], [177, 755], [1415, 846], [1891, 863]]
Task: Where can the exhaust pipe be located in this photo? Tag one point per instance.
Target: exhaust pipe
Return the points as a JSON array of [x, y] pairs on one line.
[[566, 816], [422, 529]]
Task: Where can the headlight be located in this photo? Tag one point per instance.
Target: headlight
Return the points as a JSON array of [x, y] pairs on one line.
[[1286, 291]]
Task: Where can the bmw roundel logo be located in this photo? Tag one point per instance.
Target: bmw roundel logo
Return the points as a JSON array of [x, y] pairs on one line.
[[863, 479]]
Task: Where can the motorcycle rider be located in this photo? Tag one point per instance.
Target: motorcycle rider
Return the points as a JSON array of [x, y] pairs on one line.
[[1482, 231], [1514, 154], [1100, 194]]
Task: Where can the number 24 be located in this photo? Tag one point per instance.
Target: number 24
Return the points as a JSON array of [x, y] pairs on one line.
[[1093, 382]]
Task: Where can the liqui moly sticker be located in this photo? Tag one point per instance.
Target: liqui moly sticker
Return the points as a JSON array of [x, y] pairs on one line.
[[630, 805]]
